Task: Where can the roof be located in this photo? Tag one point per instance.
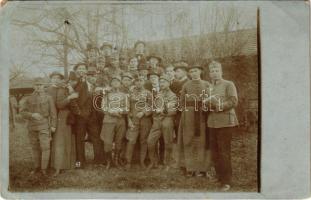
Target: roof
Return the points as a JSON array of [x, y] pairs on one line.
[[244, 38]]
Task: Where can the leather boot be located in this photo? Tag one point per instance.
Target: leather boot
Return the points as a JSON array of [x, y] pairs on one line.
[[129, 154], [117, 162], [108, 156], [143, 154]]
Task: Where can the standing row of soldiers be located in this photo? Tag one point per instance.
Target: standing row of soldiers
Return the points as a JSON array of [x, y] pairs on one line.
[[117, 104]]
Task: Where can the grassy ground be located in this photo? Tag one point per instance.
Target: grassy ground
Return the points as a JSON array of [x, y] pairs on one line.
[[244, 158]]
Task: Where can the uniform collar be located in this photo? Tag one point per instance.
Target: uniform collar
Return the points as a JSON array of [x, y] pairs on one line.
[[217, 82], [183, 79]]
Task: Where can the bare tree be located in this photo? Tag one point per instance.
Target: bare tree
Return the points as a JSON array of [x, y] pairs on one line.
[[60, 36], [223, 42]]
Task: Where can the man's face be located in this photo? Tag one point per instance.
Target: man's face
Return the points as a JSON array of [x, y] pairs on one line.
[[123, 61], [91, 78], [143, 72], [115, 62], [92, 55], [140, 48], [81, 71], [101, 63], [126, 81], [115, 83], [39, 88], [195, 73], [215, 73], [154, 79], [56, 79], [107, 50], [164, 84], [133, 64], [170, 71], [180, 73], [153, 62], [139, 83]]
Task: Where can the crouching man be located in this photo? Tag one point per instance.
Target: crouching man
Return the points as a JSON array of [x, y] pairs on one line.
[[165, 106], [40, 110]]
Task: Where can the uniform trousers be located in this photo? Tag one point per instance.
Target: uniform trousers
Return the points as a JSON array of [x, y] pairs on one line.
[[83, 126], [161, 126], [220, 144], [113, 132], [41, 147]]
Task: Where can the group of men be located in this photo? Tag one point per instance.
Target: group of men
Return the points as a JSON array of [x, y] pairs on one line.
[[120, 102]]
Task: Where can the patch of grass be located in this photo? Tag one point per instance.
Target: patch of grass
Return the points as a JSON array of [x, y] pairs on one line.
[[97, 178]]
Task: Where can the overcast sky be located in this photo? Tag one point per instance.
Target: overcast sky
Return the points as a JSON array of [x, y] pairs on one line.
[[143, 21]]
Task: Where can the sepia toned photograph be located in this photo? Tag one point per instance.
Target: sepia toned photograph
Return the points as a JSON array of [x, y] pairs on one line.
[[136, 97]]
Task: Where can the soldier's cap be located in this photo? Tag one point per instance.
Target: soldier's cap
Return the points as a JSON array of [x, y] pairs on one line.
[[91, 71], [89, 46], [139, 42], [55, 73], [127, 74], [105, 44], [123, 55], [78, 65], [181, 65], [165, 77], [214, 64], [152, 73], [115, 78], [143, 66], [154, 56], [39, 81], [195, 66], [138, 77]]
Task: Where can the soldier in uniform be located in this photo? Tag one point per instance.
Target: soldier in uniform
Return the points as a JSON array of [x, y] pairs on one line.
[[169, 71], [139, 120], [153, 83], [165, 106], [123, 60], [153, 86], [115, 106], [155, 64], [127, 81], [133, 65], [143, 71], [39, 109], [221, 121], [106, 49], [140, 51]]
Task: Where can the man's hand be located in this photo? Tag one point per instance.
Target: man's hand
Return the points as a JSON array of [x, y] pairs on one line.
[[98, 90], [73, 96], [37, 116], [70, 88], [115, 113], [53, 129], [131, 125], [140, 115], [158, 110]]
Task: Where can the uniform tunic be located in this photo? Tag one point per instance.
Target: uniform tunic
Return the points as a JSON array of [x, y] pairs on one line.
[[221, 122], [163, 124], [114, 126], [192, 143], [39, 130], [63, 154], [140, 101]]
